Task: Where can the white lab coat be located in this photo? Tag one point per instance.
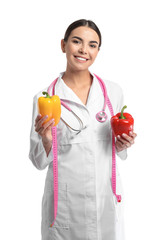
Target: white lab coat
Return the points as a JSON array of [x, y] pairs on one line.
[[87, 207]]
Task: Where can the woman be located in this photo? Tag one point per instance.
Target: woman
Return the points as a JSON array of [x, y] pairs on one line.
[[87, 208]]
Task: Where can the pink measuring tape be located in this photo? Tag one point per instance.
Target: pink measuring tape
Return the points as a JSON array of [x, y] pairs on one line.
[[55, 150]]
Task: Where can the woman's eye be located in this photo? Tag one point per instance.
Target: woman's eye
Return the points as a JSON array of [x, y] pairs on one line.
[[93, 46], [76, 41]]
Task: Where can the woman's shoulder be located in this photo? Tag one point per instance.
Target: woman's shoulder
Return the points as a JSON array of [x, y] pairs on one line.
[[114, 90], [115, 94], [111, 86]]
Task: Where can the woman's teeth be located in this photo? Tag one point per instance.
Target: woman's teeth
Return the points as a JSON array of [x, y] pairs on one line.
[[80, 58]]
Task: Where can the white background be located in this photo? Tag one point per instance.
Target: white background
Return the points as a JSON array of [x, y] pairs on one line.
[[30, 59]]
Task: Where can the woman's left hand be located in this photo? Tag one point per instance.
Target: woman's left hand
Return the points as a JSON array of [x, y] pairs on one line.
[[125, 141]]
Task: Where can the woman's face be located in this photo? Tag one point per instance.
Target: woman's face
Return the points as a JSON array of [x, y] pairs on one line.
[[81, 48]]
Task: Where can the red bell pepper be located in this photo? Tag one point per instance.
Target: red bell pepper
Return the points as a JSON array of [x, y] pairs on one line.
[[122, 123]]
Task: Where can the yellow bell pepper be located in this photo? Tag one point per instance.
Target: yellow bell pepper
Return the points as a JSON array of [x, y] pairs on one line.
[[51, 106]]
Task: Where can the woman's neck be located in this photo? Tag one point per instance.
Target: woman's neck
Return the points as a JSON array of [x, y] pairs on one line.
[[78, 79]]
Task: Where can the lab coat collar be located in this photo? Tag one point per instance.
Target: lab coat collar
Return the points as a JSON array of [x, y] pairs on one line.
[[67, 94]]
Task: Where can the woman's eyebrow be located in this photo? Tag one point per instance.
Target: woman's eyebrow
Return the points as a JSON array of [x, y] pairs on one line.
[[82, 40], [94, 42], [77, 38]]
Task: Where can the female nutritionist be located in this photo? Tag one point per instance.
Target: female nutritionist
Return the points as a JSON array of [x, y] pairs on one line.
[[87, 207]]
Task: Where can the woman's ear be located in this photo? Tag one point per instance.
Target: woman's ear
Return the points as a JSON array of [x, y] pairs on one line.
[[63, 45]]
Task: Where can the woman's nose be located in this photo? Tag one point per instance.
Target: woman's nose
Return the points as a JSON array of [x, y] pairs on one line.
[[83, 49]]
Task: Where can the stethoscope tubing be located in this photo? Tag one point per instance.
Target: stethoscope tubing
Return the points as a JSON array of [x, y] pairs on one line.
[[100, 116], [103, 87], [80, 121]]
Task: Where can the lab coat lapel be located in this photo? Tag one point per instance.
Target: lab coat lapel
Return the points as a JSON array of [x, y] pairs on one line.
[[66, 93]]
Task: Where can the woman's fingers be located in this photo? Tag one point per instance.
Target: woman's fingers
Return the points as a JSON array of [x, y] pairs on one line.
[[42, 120], [47, 126], [125, 140], [132, 134], [37, 118], [120, 145], [39, 121]]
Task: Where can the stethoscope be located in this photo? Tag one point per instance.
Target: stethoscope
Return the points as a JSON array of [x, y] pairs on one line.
[[101, 116]]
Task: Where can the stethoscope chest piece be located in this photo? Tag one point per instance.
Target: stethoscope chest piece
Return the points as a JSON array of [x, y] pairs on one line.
[[101, 116]]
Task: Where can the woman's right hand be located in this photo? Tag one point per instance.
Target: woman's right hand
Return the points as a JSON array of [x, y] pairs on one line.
[[44, 130]]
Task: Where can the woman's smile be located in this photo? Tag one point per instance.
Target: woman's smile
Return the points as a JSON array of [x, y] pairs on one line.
[[81, 59]]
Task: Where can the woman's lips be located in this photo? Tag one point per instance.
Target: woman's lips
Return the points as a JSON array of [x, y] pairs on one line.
[[81, 59]]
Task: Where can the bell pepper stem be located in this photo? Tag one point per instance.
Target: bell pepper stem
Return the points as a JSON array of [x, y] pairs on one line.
[[47, 95], [122, 110]]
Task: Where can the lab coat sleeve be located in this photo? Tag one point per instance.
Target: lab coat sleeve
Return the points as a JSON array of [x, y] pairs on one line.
[[37, 153], [122, 154]]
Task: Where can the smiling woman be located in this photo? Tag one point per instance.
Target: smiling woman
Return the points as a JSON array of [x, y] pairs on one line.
[[85, 187], [81, 48]]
